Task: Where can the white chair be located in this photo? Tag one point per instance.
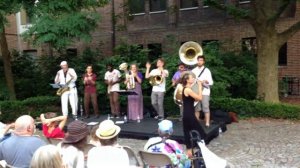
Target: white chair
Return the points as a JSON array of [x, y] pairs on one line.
[[133, 160], [155, 159]]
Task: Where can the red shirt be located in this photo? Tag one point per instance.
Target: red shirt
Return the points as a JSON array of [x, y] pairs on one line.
[[89, 87], [56, 133]]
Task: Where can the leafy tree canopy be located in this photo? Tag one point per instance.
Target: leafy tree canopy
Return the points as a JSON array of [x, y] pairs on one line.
[[59, 23]]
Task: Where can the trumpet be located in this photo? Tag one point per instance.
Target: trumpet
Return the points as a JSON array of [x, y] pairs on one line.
[[156, 80]]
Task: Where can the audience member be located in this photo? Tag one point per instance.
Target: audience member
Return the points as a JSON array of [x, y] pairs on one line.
[[17, 150], [5, 130], [163, 144], [45, 157], [94, 140], [52, 125], [109, 154], [72, 146]]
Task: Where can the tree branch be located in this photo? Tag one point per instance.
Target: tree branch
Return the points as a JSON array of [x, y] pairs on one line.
[[232, 10], [281, 9], [285, 35]]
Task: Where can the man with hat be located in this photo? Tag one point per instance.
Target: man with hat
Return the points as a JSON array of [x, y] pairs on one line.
[[109, 154], [67, 76], [163, 144]]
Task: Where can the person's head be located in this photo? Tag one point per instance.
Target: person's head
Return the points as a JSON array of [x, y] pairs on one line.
[[46, 156], [201, 60], [76, 135], [165, 128], [64, 65], [24, 125], [187, 78], [133, 68], [181, 66], [49, 115], [89, 69], [109, 67], [160, 62], [108, 133], [93, 133]]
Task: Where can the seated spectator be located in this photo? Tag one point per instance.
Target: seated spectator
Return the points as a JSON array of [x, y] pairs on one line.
[[94, 140], [72, 146], [5, 130], [46, 157], [17, 150], [52, 125], [109, 154], [167, 146]]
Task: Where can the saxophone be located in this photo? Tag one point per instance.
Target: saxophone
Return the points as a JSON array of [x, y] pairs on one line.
[[63, 89]]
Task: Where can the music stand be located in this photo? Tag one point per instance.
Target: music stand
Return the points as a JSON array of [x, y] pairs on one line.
[[126, 93]]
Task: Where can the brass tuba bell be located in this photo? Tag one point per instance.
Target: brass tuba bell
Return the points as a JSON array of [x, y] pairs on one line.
[[156, 80], [189, 51]]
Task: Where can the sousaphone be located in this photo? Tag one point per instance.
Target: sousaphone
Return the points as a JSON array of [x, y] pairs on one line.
[[188, 53]]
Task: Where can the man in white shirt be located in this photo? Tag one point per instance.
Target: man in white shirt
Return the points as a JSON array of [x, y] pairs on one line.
[[158, 91], [112, 79], [67, 76], [203, 74]]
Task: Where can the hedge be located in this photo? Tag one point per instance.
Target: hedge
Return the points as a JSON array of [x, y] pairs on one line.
[[244, 108]]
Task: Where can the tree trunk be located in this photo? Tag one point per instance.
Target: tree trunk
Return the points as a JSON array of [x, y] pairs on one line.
[[7, 65], [267, 77]]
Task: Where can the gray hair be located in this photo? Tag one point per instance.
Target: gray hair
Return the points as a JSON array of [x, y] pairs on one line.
[[46, 156]]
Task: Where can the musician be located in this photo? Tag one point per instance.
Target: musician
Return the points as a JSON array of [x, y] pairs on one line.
[[112, 79], [176, 79], [135, 102], [90, 92], [67, 76], [177, 75], [203, 75], [158, 91]]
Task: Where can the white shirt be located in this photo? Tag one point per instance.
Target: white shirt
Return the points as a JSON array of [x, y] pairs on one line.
[[71, 156], [113, 76], [161, 87], [107, 156], [206, 75], [60, 77]]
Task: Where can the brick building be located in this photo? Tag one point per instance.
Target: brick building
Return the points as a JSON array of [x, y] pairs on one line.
[[150, 23]]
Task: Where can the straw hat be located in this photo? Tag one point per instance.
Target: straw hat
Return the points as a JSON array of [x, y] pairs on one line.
[[107, 130], [77, 130]]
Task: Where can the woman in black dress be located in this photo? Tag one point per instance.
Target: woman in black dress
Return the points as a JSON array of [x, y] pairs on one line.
[[189, 119]]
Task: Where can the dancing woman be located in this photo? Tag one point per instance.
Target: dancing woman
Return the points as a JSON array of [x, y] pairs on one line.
[[189, 119]]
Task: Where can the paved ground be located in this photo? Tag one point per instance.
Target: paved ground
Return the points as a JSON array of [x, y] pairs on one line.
[[254, 143]]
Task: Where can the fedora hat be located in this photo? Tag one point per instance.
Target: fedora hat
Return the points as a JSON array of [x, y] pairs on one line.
[[107, 130], [77, 130]]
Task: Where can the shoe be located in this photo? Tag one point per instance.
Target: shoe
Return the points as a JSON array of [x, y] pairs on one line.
[[206, 125], [87, 116], [160, 118], [97, 116], [156, 117]]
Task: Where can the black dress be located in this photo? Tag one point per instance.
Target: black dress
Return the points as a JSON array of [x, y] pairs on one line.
[[189, 119]]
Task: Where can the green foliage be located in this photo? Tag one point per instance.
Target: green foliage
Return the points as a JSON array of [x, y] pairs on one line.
[[255, 108], [59, 23], [10, 110]]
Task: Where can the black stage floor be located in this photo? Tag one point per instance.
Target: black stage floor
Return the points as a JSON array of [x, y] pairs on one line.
[[147, 128]]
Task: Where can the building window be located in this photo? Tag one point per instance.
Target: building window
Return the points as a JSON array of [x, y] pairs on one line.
[[207, 42], [158, 5], [188, 4], [244, 1], [155, 51], [31, 53], [136, 6], [282, 55], [249, 44], [72, 52], [25, 20]]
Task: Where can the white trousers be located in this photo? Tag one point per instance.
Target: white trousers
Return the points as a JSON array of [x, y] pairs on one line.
[[71, 96]]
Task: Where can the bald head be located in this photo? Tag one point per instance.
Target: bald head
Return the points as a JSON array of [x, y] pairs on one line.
[[24, 125]]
